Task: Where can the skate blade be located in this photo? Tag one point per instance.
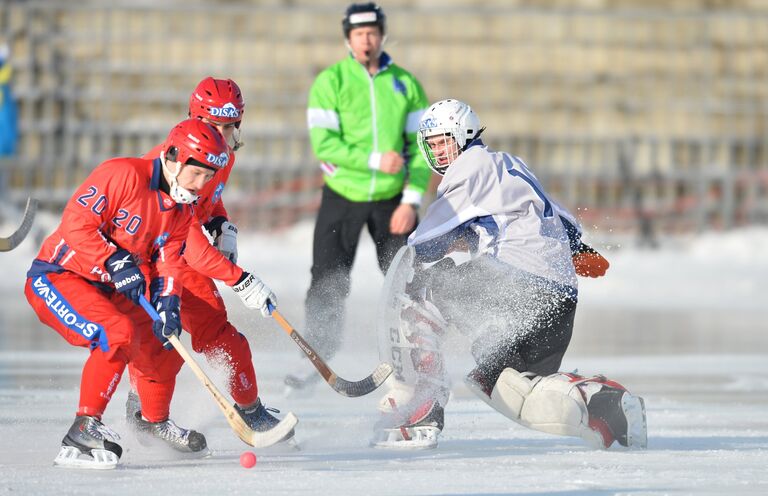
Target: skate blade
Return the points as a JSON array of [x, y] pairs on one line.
[[637, 426], [190, 455], [420, 438], [99, 459]]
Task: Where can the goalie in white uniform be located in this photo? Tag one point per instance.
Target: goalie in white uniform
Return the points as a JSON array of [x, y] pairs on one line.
[[515, 299]]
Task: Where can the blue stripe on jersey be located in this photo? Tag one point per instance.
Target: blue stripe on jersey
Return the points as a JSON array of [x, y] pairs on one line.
[[436, 248], [64, 249], [574, 237], [510, 166], [40, 267], [66, 314], [157, 170]]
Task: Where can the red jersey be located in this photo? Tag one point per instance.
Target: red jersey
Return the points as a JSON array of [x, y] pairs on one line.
[[200, 255], [120, 205]]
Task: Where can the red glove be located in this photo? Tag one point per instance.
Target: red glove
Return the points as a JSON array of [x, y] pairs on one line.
[[589, 263]]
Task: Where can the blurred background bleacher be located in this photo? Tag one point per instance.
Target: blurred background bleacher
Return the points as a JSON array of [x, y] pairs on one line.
[[645, 117]]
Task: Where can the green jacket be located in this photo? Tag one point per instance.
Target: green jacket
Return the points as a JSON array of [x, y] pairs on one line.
[[353, 117]]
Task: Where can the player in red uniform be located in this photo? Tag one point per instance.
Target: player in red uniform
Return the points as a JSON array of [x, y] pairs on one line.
[[218, 102], [125, 225]]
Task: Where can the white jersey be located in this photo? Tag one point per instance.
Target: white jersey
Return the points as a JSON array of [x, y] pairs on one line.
[[493, 200]]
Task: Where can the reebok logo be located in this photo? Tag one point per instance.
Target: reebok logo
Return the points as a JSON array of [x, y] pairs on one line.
[[120, 263], [128, 280]]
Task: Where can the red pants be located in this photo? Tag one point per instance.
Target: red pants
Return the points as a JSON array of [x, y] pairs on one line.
[[204, 317], [108, 324]]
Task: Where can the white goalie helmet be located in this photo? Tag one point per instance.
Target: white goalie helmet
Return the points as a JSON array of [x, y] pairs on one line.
[[448, 119]]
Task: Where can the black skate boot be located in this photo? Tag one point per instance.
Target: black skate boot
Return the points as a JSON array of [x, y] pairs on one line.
[[178, 438], [259, 418], [621, 414], [89, 444]]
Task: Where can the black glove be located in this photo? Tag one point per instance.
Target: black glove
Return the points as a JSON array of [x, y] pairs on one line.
[[170, 321], [126, 275]]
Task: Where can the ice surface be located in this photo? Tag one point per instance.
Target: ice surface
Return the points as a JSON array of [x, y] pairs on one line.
[[684, 326]]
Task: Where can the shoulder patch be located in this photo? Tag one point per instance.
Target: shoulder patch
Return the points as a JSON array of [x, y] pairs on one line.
[[398, 86]]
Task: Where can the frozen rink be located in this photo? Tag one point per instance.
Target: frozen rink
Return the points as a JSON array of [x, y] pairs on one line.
[[686, 327]]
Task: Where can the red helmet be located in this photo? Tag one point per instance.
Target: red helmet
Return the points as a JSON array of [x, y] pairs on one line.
[[219, 100], [194, 142]]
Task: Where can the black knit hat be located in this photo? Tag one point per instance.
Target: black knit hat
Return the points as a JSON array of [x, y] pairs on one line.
[[363, 14]]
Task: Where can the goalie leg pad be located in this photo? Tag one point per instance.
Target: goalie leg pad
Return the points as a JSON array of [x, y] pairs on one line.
[[551, 404], [508, 394], [557, 406]]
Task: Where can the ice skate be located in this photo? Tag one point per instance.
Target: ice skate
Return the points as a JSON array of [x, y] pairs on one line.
[[178, 438], [419, 431], [618, 416], [89, 444], [623, 415], [260, 419]]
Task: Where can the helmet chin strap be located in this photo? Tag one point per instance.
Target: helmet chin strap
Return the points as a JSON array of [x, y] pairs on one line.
[[178, 194], [236, 143]]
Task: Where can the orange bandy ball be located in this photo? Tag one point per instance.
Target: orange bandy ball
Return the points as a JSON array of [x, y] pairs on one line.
[[247, 459]]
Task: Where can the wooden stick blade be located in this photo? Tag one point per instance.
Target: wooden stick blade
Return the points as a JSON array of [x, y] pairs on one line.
[[274, 435]]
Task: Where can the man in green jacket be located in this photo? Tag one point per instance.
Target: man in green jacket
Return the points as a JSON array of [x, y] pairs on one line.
[[363, 115]]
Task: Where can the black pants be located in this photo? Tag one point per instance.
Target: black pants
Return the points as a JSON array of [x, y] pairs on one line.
[[513, 318], [337, 232]]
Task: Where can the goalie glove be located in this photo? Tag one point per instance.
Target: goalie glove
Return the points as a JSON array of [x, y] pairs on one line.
[[588, 262], [255, 294], [224, 234], [168, 308]]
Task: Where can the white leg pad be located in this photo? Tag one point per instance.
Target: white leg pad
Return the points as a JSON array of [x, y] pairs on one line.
[[510, 392], [551, 404]]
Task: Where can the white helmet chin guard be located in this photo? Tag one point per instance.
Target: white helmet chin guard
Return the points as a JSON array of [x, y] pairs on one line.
[[447, 118], [178, 194]]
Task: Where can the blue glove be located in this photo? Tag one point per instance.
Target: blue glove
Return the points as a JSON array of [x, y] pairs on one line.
[[126, 275], [170, 321]]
